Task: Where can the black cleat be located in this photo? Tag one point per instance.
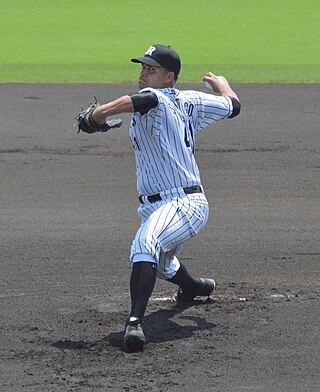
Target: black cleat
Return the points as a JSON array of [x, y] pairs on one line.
[[206, 288], [134, 338]]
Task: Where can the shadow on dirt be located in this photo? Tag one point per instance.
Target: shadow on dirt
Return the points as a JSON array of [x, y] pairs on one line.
[[158, 326]]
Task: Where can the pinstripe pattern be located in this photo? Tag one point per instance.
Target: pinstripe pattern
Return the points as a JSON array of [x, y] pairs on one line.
[[164, 138], [164, 144], [165, 226]]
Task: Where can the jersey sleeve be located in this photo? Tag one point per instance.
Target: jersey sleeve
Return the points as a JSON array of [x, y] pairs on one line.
[[208, 108]]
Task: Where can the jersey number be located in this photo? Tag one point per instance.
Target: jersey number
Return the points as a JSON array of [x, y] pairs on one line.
[[188, 136]]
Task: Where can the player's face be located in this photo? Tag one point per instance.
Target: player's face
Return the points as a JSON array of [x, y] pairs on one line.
[[155, 77]]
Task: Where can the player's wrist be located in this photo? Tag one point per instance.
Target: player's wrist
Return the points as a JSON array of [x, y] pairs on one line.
[[97, 117]]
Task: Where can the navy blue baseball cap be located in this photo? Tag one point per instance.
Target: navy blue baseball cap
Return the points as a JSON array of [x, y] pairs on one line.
[[161, 56]]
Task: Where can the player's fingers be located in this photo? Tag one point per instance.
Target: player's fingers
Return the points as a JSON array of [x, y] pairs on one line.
[[215, 78], [208, 75]]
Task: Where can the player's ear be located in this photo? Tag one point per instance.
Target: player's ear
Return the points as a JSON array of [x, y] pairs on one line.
[[170, 78]]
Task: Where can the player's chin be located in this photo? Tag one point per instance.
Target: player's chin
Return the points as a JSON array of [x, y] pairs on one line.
[[143, 83]]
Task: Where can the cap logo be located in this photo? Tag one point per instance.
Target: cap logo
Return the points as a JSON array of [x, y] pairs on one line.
[[150, 50]]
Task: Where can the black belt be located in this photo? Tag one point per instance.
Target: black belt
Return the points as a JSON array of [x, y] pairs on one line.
[[157, 197]]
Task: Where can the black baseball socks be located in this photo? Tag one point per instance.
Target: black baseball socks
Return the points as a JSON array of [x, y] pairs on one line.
[[142, 281], [184, 280]]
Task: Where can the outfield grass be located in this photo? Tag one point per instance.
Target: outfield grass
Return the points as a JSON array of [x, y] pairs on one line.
[[82, 41]]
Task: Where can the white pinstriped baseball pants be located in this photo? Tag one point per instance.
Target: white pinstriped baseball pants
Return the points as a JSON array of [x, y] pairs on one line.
[[165, 226]]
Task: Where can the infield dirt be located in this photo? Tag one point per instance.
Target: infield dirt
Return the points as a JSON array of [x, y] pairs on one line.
[[68, 215]]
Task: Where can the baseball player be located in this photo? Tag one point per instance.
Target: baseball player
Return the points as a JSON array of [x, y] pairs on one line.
[[173, 207]]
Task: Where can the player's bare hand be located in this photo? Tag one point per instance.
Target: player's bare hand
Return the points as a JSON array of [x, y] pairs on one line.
[[219, 84]]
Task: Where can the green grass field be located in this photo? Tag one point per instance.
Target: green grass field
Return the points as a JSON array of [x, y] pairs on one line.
[[82, 41]]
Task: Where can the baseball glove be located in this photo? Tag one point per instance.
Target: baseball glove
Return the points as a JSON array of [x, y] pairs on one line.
[[87, 124]]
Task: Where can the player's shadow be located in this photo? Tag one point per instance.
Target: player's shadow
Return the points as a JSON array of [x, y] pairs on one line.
[[159, 327]]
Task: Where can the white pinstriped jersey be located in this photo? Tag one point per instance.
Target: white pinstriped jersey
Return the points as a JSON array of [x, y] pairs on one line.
[[164, 137]]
